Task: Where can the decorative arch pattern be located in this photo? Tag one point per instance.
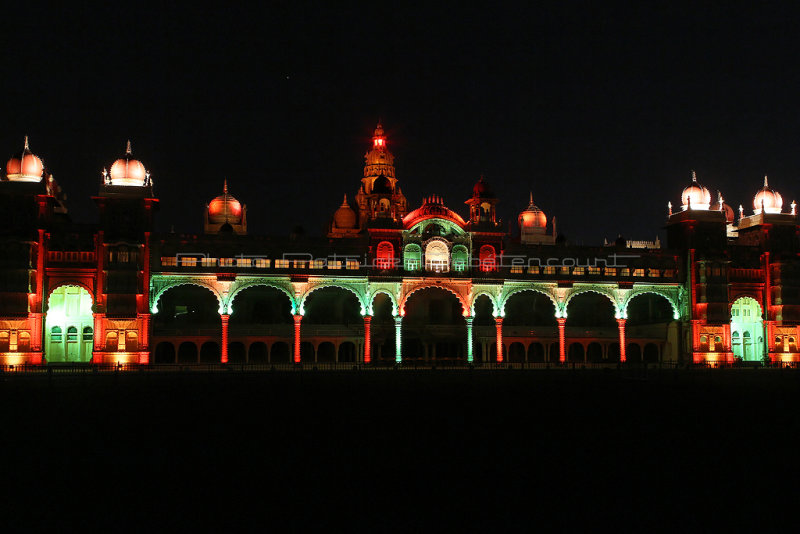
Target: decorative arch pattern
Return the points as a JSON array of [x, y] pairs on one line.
[[676, 313], [162, 286], [359, 296], [552, 298], [247, 284], [600, 291], [373, 294], [492, 299], [465, 306]]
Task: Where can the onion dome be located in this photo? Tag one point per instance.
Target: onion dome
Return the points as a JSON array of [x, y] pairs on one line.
[[225, 208], [768, 200], [532, 217], [25, 167], [128, 171], [695, 196], [720, 205], [481, 189], [344, 217], [432, 208]]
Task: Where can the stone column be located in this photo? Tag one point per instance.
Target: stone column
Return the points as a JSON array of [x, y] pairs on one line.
[[297, 319], [225, 318], [562, 339], [398, 338], [499, 336], [622, 357], [469, 338], [367, 339]]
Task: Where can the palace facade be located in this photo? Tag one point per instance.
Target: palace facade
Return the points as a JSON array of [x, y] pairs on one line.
[[389, 283]]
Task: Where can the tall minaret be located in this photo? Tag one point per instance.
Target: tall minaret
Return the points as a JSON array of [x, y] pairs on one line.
[[379, 197]]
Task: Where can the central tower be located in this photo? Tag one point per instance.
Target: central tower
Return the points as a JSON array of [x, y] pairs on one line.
[[379, 198]]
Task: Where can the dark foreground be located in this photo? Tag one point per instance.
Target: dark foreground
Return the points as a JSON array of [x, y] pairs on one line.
[[681, 450]]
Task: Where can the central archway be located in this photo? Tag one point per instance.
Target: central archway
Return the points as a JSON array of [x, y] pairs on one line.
[[747, 330], [69, 334], [261, 318], [434, 329], [332, 314]]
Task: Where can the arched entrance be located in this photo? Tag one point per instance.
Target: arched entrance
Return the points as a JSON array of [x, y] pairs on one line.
[[69, 335], [747, 330], [434, 329]]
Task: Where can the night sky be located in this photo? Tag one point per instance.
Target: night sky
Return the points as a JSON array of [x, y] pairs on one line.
[[601, 112]]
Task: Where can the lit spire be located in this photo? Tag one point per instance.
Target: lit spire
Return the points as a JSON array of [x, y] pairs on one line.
[[225, 186], [128, 150], [26, 143], [766, 184], [694, 176], [344, 202], [719, 199]]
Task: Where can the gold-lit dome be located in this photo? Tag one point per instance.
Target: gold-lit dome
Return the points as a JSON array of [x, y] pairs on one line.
[[532, 217], [695, 196], [768, 200], [225, 208], [128, 171], [25, 167], [344, 217], [720, 205]]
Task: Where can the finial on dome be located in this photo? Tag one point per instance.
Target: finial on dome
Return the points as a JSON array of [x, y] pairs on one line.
[[766, 184], [694, 176], [26, 143], [344, 201], [669, 207], [531, 197], [225, 186], [794, 206], [719, 199], [128, 150]]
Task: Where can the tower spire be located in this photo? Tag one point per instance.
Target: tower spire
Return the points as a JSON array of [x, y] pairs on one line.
[[225, 186], [694, 176], [766, 184], [128, 150], [26, 143]]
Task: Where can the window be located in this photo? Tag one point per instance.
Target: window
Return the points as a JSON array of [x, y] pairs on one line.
[[131, 341], [437, 257], [611, 271], [460, 258], [88, 334], [55, 334], [593, 270], [298, 264], [516, 269], [488, 259], [208, 262], [384, 258], [72, 334], [578, 271], [226, 262], [318, 264], [638, 272], [281, 264], [550, 270], [111, 341], [24, 344], [188, 262], [352, 264], [412, 257], [3, 341], [169, 262], [261, 263], [335, 264]]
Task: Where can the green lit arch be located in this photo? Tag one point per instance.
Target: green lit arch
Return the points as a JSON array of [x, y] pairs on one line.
[[610, 296], [73, 283], [676, 312], [464, 305], [452, 226], [189, 282], [371, 299], [359, 296], [256, 283], [492, 299], [534, 290], [745, 295]]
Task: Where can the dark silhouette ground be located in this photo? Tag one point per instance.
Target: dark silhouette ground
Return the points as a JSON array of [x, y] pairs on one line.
[[388, 450]]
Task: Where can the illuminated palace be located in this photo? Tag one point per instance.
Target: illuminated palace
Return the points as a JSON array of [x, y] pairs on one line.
[[389, 283]]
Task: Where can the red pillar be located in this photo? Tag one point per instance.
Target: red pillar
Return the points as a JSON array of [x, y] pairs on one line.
[[99, 341], [499, 322], [297, 319], [622, 356], [367, 339], [225, 318], [562, 339], [144, 335]]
